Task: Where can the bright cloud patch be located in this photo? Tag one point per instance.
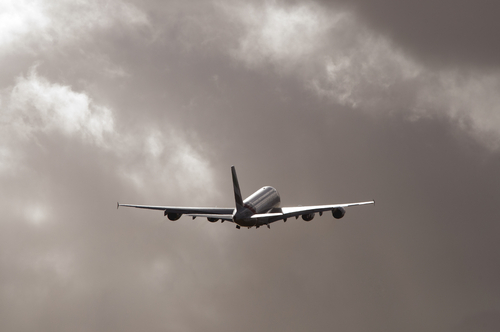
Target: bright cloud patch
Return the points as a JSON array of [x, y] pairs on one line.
[[38, 105], [19, 18], [29, 24], [273, 33]]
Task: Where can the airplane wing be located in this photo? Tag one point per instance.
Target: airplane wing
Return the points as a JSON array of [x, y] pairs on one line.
[[184, 210], [287, 212], [300, 210]]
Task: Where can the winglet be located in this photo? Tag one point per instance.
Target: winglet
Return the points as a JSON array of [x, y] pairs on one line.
[[237, 193], [117, 205]]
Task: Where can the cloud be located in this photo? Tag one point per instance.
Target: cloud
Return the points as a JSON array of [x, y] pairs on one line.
[[279, 34], [63, 157], [167, 160], [36, 108], [338, 57], [364, 75], [31, 25], [470, 99], [18, 19], [441, 33], [36, 105], [217, 88]]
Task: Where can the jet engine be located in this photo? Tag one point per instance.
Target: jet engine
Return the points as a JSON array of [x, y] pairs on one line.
[[308, 217], [212, 219], [338, 212], [174, 216]]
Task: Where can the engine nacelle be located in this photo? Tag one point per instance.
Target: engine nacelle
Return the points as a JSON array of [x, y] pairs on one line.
[[174, 216], [338, 212], [308, 217], [212, 219]]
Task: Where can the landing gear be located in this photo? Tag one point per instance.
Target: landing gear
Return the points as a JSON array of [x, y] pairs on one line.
[[268, 226], [238, 226]]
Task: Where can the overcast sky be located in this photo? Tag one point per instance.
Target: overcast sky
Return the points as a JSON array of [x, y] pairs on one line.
[[151, 102]]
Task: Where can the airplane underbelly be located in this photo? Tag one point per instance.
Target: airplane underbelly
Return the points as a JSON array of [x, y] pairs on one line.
[[247, 222], [253, 222]]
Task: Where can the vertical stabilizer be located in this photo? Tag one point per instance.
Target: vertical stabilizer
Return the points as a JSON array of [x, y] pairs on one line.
[[237, 193]]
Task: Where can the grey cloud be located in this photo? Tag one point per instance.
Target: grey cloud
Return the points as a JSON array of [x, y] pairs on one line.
[[439, 33], [422, 258], [38, 26], [338, 57]]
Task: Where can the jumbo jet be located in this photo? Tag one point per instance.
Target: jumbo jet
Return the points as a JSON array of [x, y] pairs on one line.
[[259, 209]]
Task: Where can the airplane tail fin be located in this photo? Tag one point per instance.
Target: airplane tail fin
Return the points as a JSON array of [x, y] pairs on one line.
[[237, 193]]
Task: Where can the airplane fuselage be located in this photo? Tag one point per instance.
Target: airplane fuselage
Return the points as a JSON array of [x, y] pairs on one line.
[[264, 200]]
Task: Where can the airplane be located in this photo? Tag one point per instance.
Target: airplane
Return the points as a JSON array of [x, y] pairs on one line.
[[259, 209]]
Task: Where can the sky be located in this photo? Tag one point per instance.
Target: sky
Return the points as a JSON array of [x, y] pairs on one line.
[[151, 102]]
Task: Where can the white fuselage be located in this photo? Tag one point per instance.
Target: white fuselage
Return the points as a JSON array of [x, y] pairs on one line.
[[263, 200]]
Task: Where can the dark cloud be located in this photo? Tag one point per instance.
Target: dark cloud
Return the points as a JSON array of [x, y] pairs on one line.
[[186, 102], [439, 33]]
